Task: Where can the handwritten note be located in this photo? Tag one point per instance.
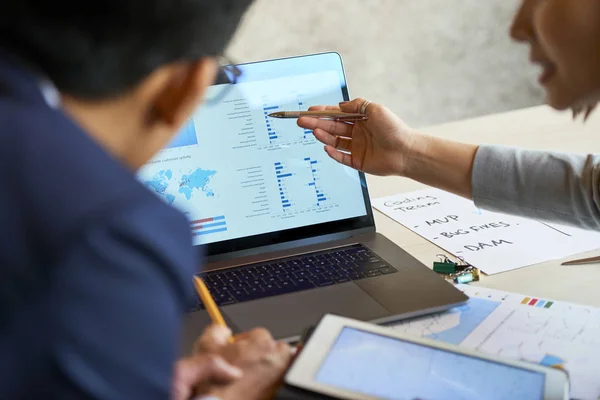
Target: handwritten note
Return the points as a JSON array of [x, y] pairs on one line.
[[492, 242]]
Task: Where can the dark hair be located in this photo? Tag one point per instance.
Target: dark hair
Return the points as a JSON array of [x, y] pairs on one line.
[[100, 49]]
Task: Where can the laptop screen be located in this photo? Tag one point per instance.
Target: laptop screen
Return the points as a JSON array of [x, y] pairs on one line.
[[238, 173]]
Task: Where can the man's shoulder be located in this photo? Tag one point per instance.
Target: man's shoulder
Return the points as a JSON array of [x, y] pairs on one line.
[[57, 173], [61, 183]]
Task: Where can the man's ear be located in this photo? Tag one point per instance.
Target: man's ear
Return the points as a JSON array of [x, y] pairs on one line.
[[183, 91]]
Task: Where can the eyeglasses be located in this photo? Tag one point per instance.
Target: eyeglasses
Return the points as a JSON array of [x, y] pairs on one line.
[[227, 76]]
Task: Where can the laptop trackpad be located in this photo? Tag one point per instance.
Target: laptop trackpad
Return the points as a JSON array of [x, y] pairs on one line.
[[289, 315]]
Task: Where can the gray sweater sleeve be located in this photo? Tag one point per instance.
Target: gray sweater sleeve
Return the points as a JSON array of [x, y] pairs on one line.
[[556, 187]]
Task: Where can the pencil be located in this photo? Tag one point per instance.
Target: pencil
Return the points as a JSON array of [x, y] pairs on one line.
[[320, 114], [582, 261], [209, 303]]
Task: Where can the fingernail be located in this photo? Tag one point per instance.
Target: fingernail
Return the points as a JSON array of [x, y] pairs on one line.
[[343, 103], [231, 370], [236, 372], [223, 330]]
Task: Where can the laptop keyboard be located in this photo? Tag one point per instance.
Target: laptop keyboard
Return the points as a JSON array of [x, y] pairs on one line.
[[288, 275]]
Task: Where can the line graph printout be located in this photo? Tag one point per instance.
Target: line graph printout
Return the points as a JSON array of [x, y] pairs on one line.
[[514, 326]]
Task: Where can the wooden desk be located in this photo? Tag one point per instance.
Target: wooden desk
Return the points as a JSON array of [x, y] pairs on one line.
[[537, 128]]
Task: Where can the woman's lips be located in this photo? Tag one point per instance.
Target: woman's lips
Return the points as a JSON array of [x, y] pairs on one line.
[[548, 72]]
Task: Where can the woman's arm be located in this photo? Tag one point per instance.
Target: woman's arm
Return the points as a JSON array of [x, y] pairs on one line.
[[558, 187], [440, 163], [543, 185], [551, 186]]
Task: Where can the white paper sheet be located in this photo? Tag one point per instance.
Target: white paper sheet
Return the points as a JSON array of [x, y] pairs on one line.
[[490, 241], [522, 327]]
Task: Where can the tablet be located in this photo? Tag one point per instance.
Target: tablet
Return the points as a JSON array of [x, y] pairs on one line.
[[349, 359]]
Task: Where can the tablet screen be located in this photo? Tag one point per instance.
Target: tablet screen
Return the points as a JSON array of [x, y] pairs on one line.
[[390, 368]]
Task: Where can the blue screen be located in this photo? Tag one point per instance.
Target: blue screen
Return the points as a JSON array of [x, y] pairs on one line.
[[237, 172], [390, 368]]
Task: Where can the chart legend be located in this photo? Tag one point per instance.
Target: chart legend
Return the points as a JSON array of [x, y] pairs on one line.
[[208, 226], [537, 302]]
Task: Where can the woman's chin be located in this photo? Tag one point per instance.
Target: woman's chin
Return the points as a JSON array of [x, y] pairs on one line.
[[557, 105], [564, 97], [558, 99]]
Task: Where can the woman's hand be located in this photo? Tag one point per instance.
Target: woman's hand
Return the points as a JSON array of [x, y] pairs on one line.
[[378, 145], [384, 145]]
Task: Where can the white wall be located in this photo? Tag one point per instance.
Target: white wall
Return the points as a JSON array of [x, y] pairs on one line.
[[429, 60]]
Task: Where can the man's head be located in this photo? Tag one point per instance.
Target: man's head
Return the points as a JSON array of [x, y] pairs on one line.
[[131, 72]]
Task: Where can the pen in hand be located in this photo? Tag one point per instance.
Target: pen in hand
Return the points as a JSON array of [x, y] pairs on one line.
[[209, 303], [336, 115]]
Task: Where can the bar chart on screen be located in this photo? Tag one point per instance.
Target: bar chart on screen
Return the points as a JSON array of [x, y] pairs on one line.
[[300, 187], [285, 132]]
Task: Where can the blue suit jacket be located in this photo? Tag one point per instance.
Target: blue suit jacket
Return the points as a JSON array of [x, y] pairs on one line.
[[95, 269]]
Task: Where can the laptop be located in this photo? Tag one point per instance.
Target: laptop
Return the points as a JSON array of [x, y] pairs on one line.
[[288, 233]]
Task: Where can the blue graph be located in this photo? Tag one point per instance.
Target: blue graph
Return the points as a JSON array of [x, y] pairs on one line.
[[307, 132], [319, 192], [185, 137], [281, 174], [270, 130], [208, 226], [282, 132], [471, 315], [298, 183]]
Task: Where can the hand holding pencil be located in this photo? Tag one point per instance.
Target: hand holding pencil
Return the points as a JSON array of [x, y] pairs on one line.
[[262, 360]]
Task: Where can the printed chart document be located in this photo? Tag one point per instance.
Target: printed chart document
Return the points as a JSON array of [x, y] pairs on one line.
[[519, 327], [490, 241]]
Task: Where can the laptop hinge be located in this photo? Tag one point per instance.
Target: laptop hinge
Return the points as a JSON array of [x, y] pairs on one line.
[[289, 249]]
